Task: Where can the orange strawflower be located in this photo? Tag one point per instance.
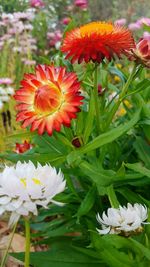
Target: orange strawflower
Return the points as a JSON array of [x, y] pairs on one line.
[[96, 41], [48, 99]]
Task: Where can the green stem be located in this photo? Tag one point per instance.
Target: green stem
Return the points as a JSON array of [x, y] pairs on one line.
[[8, 247], [27, 250], [112, 197], [96, 100], [122, 95]]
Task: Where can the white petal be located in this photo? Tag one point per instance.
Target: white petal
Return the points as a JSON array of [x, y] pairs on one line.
[[30, 206], [22, 211], [4, 200], [58, 203], [2, 210], [13, 219], [104, 231]]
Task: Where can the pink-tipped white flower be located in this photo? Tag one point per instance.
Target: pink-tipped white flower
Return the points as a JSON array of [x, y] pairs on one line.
[[124, 220], [23, 187], [141, 53]]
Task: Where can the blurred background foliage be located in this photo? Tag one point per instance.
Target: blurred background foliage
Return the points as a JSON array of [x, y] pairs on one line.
[[99, 9], [116, 9]]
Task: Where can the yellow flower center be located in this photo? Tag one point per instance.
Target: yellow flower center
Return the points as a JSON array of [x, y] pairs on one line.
[[47, 99], [96, 27], [23, 181], [36, 181]]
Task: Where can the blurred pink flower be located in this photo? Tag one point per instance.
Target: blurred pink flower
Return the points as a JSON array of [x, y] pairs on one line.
[[146, 34], [23, 16], [5, 81], [120, 22], [54, 37], [145, 21], [83, 4], [29, 62], [37, 3], [134, 26], [66, 20]]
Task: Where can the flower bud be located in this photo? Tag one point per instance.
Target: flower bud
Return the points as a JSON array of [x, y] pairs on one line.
[[141, 54]]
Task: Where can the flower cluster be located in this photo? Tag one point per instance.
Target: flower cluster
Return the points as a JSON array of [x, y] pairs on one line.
[[24, 187], [16, 32], [124, 220]]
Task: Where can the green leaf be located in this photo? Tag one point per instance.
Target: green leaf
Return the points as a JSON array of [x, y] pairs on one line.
[[144, 84], [22, 135], [54, 159], [137, 167], [64, 256], [143, 250], [98, 176], [103, 177], [87, 202], [105, 138], [143, 150], [111, 255], [130, 196]]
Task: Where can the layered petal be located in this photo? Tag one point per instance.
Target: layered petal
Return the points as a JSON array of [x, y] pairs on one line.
[[24, 187], [124, 220], [96, 41], [48, 99]]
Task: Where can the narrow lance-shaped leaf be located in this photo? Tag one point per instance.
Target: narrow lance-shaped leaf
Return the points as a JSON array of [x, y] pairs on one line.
[[87, 203], [105, 138], [137, 167]]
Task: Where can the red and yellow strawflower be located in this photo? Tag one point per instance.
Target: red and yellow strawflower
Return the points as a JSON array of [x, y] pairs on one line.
[[48, 99], [96, 41]]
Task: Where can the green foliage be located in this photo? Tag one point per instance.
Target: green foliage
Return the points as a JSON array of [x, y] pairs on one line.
[[68, 257], [13, 5]]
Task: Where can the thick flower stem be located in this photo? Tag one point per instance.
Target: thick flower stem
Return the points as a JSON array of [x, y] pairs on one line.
[[122, 95], [8, 247], [27, 249], [95, 92], [112, 197]]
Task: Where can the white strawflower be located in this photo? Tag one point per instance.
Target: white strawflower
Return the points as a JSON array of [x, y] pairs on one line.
[[24, 186], [123, 220]]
